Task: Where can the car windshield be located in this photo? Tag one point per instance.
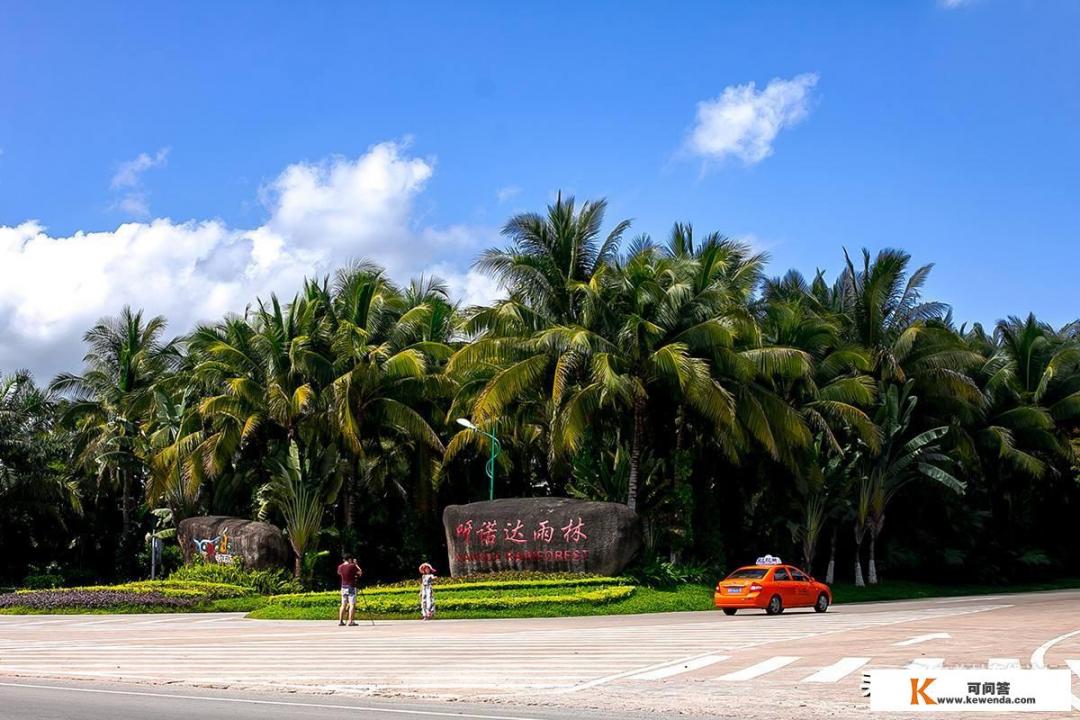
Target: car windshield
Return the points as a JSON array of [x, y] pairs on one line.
[[747, 574]]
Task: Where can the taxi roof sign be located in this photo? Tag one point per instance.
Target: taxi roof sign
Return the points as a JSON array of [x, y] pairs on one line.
[[769, 560]]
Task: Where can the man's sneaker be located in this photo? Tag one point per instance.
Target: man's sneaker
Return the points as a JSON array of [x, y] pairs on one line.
[[352, 624], [341, 623]]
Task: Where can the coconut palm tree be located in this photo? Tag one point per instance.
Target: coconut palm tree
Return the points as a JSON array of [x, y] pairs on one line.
[[31, 449], [905, 456], [389, 349], [110, 403], [552, 253], [882, 310]]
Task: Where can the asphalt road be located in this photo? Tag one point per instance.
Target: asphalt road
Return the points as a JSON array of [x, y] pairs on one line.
[[27, 700], [799, 664]]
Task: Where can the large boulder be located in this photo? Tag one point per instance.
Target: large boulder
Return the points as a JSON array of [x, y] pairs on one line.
[[227, 540], [544, 534]]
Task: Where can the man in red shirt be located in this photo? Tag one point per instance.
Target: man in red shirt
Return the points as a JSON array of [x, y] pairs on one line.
[[348, 571]]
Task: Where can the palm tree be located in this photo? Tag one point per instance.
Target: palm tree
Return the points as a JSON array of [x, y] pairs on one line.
[[389, 349], [261, 373], [552, 253], [903, 458], [109, 404], [300, 490], [176, 471], [883, 311], [32, 447], [1031, 387]]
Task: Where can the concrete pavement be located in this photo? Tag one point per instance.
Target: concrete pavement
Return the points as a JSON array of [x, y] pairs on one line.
[[805, 663]]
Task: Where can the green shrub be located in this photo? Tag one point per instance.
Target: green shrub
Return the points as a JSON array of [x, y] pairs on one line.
[[263, 582], [43, 582], [662, 574], [191, 589]]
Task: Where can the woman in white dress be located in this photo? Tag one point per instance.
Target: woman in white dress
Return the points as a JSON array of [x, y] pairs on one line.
[[427, 591]]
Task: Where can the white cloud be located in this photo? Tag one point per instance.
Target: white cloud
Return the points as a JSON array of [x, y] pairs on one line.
[[505, 193], [135, 201], [129, 173], [743, 121], [320, 215]]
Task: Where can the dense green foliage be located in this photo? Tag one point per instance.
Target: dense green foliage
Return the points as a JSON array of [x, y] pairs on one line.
[[262, 582], [738, 413]]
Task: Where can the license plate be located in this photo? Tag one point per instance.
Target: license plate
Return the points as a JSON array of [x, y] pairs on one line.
[[734, 590]]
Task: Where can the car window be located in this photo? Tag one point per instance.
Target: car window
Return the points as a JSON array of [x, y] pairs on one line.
[[747, 574], [798, 575], [781, 574]]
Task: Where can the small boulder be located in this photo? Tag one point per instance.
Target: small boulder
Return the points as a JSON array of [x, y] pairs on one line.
[[227, 540]]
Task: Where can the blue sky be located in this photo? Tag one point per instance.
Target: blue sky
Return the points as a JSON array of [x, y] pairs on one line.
[[217, 150]]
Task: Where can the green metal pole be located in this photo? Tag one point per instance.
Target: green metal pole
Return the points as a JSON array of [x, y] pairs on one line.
[[491, 469]]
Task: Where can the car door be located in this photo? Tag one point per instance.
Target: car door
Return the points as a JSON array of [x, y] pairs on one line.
[[781, 583], [801, 589]]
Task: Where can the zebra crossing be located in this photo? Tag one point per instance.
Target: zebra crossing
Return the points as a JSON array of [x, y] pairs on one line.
[[498, 657], [835, 672]]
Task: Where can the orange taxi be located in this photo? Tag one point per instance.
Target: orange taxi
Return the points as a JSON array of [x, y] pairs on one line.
[[771, 586]]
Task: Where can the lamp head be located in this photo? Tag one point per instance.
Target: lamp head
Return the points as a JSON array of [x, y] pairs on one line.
[[465, 422]]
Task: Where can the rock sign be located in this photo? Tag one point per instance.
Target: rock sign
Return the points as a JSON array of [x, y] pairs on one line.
[[543, 534]]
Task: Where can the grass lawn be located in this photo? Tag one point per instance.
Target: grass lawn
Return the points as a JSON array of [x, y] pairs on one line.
[[520, 602]]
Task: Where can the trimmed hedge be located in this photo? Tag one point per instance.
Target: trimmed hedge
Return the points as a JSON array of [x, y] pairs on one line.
[[324, 604], [517, 579], [463, 585]]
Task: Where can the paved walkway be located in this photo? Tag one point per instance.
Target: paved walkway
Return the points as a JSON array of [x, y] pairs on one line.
[[679, 660]]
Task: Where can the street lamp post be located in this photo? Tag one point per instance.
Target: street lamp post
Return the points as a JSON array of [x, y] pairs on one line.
[[495, 450]]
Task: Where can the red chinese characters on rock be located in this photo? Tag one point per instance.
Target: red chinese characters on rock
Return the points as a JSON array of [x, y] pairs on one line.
[[488, 533], [574, 533], [514, 534], [464, 531], [544, 532]]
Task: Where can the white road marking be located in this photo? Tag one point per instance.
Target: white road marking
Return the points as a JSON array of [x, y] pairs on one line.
[[1038, 658], [1003, 664], [212, 620], [766, 666], [689, 666], [838, 670], [281, 703], [973, 598], [51, 621], [926, 664], [921, 639]]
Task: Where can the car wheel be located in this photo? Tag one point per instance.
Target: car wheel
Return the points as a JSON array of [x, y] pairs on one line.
[[730, 611], [775, 607], [822, 603]]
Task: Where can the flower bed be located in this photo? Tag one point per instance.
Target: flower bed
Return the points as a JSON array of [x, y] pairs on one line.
[[143, 596], [97, 599]]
